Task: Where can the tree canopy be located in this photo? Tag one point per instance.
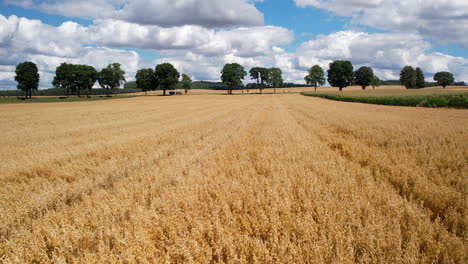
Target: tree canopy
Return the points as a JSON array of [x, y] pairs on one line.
[[64, 77], [111, 77], [340, 74], [408, 77], [75, 77], [376, 82], [444, 78], [145, 80], [186, 82], [27, 77], [420, 83], [166, 76], [262, 76], [232, 75], [84, 78], [275, 78], [363, 77], [316, 76], [255, 74]]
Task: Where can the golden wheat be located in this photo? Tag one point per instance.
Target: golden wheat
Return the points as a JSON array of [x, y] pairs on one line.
[[232, 179]]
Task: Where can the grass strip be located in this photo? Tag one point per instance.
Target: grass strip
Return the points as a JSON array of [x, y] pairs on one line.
[[20, 100]]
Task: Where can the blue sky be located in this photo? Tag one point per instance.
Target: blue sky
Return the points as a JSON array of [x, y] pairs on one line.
[[200, 36]]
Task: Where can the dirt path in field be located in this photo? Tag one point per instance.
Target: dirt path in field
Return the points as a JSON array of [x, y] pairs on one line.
[[237, 179]]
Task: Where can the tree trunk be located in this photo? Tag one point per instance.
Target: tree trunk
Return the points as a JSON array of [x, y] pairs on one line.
[[68, 91], [108, 91], [261, 91], [164, 92], [274, 90], [185, 91], [363, 87], [373, 87], [78, 91], [341, 88], [315, 86]]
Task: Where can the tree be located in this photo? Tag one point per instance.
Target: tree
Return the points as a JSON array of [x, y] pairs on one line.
[[275, 78], [363, 77], [316, 76], [105, 79], [420, 83], [340, 74], [254, 75], [375, 82], [64, 77], [264, 78], [408, 77], [111, 77], [166, 76], [232, 75], [27, 77], [186, 82], [84, 78], [145, 80], [444, 78]]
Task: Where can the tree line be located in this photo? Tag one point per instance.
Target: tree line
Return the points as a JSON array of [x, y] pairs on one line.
[[341, 74], [81, 79]]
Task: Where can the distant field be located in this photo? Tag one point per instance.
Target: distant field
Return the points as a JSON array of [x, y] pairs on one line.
[[238, 179], [454, 97]]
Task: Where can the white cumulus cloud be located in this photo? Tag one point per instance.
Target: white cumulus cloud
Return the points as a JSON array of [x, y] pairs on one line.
[[166, 13], [444, 21]]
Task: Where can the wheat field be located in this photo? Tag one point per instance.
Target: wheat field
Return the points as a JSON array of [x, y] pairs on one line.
[[232, 179]]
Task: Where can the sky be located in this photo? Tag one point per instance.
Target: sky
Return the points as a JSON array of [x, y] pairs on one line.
[[199, 36]]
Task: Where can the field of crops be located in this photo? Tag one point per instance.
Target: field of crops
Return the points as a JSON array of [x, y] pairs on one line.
[[232, 179]]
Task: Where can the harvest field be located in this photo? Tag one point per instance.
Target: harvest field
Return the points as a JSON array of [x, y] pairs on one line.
[[237, 179]]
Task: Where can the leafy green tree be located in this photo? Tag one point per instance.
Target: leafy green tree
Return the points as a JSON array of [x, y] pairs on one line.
[[186, 82], [340, 74], [408, 77], [275, 78], [316, 76], [27, 77], [145, 80], [254, 75], [420, 83], [375, 82], [84, 78], [166, 76], [264, 78], [444, 78], [363, 77], [232, 75], [64, 77], [111, 77]]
